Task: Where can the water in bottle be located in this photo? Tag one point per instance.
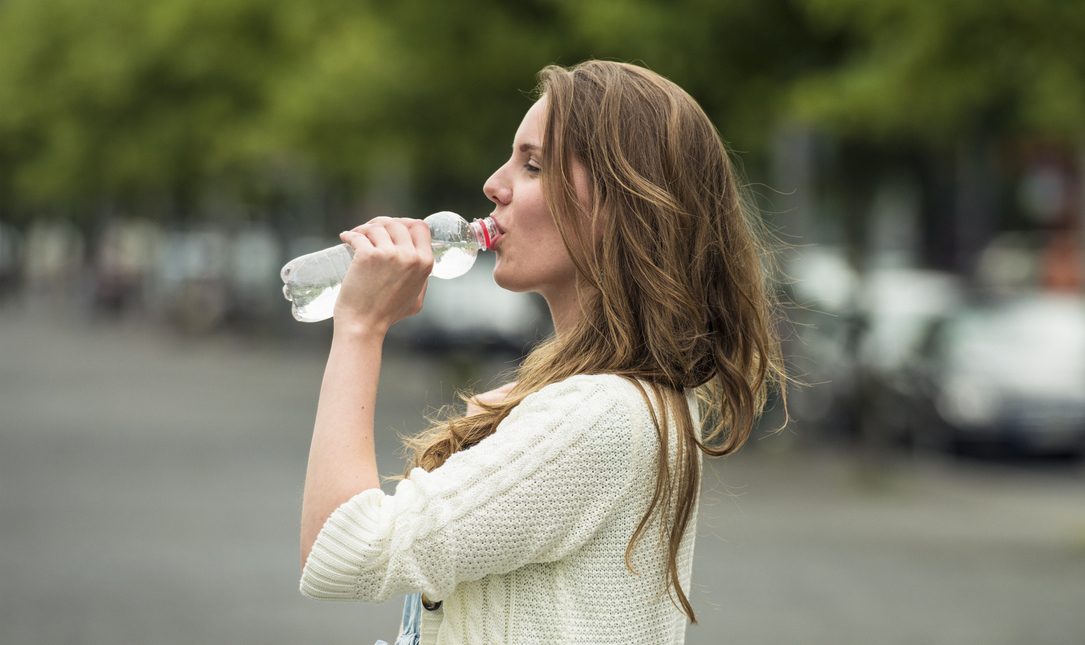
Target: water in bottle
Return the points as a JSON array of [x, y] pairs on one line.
[[312, 281]]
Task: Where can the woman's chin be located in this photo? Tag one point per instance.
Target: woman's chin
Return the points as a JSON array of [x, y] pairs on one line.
[[507, 281], [507, 285]]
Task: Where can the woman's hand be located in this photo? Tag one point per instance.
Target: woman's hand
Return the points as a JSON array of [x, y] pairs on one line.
[[492, 397], [386, 281]]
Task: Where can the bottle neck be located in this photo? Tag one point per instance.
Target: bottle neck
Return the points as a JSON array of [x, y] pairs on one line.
[[485, 232]]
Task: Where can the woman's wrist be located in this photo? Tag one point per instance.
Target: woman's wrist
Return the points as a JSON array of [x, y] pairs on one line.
[[358, 330]]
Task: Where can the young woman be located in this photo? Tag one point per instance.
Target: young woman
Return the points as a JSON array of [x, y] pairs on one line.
[[562, 507]]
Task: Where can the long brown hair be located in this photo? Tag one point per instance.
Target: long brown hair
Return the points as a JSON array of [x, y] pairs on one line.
[[678, 260]]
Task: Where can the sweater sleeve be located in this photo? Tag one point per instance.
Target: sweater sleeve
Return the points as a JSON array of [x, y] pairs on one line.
[[534, 491]]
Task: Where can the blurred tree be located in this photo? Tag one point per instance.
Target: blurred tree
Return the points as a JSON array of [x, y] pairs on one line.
[[953, 86], [738, 58], [937, 71], [125, 100], [128, 99], [432, 85]]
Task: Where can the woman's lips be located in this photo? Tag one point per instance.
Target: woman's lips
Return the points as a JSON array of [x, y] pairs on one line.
[[500, 232]]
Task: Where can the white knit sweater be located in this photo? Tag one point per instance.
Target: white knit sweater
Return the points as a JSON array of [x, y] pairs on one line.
[[522, 536]]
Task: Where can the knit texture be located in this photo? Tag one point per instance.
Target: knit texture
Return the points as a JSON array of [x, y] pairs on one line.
[[523, 536]]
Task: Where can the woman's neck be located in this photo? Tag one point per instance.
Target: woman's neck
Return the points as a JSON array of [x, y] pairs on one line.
[[568, 308]]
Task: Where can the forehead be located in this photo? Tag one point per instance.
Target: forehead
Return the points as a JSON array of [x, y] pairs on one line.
[[531, 128]]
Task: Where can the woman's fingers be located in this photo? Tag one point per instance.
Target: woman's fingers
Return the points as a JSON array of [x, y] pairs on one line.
[[405, 235], [358, 241], [387, 280], [398, 233], [380, 239], [420, 236]]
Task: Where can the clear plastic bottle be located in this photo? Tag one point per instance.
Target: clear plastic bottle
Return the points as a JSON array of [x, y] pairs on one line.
[[312, 281]]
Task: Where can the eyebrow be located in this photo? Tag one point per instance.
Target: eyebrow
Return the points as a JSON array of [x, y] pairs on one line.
[[529, 147]]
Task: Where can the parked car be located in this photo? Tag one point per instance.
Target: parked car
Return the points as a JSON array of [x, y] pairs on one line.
[[1009, 374], [897, 307], [853, 338]]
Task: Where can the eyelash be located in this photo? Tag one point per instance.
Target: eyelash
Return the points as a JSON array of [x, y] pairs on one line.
[[532, 169]]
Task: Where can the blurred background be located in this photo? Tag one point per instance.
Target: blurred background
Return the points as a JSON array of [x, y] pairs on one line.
[[922, 163]]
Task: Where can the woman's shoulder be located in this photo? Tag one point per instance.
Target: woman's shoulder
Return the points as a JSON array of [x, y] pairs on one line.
[[594, 417], [603, 396], [602, 388], [585, 389], [599, 414], [585, 399]]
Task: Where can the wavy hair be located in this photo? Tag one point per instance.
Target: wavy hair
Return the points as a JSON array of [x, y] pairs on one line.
[[678, 260]]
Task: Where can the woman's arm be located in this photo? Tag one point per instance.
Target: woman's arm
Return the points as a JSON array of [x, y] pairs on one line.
[[342, 460], [534, 491], [385, 283]]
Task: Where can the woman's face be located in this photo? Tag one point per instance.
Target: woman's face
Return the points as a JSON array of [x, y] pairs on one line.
[[530, 253]]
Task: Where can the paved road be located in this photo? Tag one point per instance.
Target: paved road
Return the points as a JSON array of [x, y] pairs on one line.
[[150, 488]]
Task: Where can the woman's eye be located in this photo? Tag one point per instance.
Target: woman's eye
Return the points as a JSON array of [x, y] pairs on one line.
[[532, 168]]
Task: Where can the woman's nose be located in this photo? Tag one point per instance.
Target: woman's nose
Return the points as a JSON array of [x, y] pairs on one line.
[[496, 189]]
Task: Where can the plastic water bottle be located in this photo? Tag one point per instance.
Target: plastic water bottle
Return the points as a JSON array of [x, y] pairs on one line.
[[312, 281]]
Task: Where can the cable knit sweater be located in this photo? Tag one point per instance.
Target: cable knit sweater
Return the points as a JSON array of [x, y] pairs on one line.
[[523, 536]]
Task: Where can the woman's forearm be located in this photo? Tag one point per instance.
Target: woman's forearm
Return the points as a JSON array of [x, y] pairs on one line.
[[386, 282], [342, 458]]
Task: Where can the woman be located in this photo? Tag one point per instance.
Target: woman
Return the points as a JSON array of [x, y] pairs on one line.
[[562, 507]]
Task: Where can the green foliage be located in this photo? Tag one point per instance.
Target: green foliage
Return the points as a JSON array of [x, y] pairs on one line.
[[736, 57], [123, 98], [126, 99], [939, 71]]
